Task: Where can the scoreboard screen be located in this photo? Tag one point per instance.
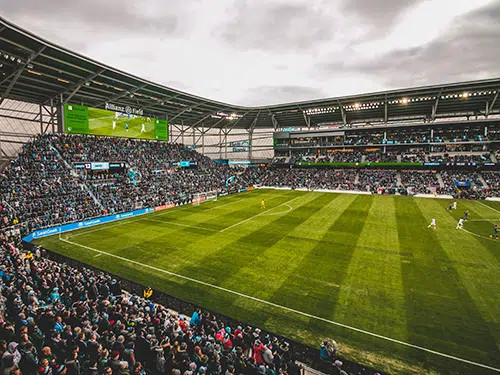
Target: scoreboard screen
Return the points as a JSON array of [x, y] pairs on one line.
[[99, 168], [79, 119]]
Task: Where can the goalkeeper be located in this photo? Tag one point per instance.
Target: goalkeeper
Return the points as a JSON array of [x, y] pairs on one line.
[[262, 204]]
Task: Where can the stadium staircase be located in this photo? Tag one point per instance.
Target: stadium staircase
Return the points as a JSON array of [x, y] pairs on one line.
[[483, 181], [398, 179], [363, 158], [4, 163], [440, 180], [73, 173], [356, 179]]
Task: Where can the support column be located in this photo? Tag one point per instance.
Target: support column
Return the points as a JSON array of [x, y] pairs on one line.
[[250, 144], [60, 115], [52, 116], [220, 142], [182, 131], [225, 143], [41, 119], [203, 139]]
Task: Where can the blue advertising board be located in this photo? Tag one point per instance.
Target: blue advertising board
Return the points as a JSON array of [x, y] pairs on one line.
[[84, 224]]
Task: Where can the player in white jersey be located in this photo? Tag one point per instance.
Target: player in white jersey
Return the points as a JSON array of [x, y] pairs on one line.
[[432, 224], [460, 223], [143, 129], [117, 114], [454, 205], [114, 125]]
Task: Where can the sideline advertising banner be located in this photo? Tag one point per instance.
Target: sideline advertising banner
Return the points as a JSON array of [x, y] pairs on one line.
[[84, 224]]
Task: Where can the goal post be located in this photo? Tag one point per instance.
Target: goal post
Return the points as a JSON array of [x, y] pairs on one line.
[[209, 196]]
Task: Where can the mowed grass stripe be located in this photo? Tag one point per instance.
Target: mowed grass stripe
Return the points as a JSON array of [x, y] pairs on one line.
[[374, 278], [314, 287], [215, 266], [440, 313], [279, 261], [221, 219], [192, 256], [478, 270], [173, 246]]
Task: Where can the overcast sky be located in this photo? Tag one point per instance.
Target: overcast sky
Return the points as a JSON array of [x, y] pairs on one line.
[[258, 52]]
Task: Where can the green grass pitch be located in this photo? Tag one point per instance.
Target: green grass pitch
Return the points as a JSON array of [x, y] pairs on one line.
[[367, 262], [101, 123]]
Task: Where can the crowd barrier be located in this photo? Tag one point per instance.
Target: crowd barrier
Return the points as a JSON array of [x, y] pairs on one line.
[[300, 352]]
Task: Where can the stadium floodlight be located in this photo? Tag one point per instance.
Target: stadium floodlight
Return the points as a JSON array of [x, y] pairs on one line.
[[465, 95], [98, 83], [357, 105], [63, 80], [404, 101], [34, 72]]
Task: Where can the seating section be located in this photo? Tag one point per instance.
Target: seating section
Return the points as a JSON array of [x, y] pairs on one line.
[[64, 320], [41, 187]]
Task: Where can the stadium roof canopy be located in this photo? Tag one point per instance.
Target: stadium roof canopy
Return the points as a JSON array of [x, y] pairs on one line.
[[37, 71]]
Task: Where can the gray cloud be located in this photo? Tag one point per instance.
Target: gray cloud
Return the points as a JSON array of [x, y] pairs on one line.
[[468, 51], [266, 26], [377, 15], [280, 94], [98, 15]]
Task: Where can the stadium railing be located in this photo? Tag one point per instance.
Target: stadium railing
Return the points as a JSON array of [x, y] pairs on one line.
[[301, 352]]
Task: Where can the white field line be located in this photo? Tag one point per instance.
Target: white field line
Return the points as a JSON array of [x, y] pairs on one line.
[[127, 221], [495, 219], [98, 255], [491, 208], [280, 213], [262, 213], [103, 226], [478, 235], [284, 307], [179, 224], [223, 205]]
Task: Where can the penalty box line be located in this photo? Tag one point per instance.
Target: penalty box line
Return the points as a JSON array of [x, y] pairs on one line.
[[282, 307], [262, 213], [491, 208]]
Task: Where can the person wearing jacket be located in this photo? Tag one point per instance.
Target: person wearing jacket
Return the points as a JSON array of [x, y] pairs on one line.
[[258, 348], [13, 353]]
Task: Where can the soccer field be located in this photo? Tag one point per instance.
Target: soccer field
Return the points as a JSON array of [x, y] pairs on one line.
[[101, 123], [363, 270]]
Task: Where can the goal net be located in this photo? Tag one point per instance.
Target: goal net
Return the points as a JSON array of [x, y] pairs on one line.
[[204, 197]]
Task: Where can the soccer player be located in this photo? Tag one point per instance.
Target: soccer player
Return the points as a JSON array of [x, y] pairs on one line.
[[114, 125], [432, 224], [460, 223], [143, 129], [466, 214], [495, 231], [117, 114], [454, 205], [450, 207], [262, 204], [126, 127]]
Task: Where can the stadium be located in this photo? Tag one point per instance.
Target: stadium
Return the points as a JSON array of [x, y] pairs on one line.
[[146, 230]]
